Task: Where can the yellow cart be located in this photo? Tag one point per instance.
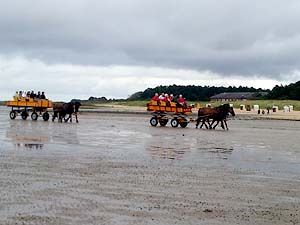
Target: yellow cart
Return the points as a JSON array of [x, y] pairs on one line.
[[22, 107], [163, 112]]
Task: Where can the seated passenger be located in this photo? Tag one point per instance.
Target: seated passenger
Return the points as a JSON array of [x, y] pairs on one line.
[[171, 97], [24, 94], [20, 95], [167, 99], [43, 95], [155, 97], [38, 95], [162, 97], [32, 94], [181, 101], [16, 96]]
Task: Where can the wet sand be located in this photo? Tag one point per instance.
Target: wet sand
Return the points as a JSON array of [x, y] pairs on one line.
[[117, 169]]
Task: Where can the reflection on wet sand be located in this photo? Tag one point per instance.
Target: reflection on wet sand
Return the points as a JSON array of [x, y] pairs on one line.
[[66, 136], [29, 146], [26, 135], [165, 152], [34, 135], [216, 148]]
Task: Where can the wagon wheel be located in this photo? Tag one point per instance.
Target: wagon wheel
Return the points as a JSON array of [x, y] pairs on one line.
[[24, 115], [163, 122], [12, 114], [183, 124], [174, 122], [46, 116], [34, 116], [153, 121]]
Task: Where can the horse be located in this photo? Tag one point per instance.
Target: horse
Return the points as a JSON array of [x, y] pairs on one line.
[[57, 111], [224, 111], [204, 114], [76, 105], [216, 114], [60, 110]]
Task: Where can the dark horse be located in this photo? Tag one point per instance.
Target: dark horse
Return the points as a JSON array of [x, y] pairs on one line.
[[214, 114], [61, 110]]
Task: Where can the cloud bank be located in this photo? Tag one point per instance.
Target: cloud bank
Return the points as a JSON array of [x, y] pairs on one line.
[[113, 48]]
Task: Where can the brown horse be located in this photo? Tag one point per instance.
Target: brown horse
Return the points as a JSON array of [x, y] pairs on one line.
[[225, 110], [214, 114], [204, 114], [76, 105], [61, 110], [57, 111]]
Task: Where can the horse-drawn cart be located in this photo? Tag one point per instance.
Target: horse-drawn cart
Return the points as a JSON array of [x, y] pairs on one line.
[[209, 117], [162, 113], [22, 107]]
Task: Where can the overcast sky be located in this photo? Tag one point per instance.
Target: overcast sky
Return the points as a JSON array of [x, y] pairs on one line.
[[82, 48]]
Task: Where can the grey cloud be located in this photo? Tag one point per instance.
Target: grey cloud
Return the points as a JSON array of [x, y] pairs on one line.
[[228, 37]]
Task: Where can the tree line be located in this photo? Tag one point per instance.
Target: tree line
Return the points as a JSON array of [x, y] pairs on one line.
[[190, 92], [203, 93], [291, 92]]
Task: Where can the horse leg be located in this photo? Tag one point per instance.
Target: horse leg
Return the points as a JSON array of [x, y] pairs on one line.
[[212, 124], [216, 124], [76, 117], [60, 116], [225, 122], [203, 123], [222, 124], [54, 116], [66, 119], [198, 121], [209, 124]]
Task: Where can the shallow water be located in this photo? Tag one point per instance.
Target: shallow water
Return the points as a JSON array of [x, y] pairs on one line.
[[264, 145]]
